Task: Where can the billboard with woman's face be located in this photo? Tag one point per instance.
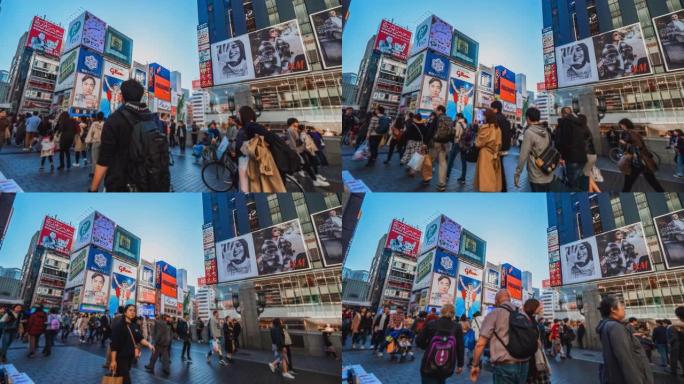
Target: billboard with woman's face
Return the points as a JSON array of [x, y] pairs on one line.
[[670, 229], [232, 61], [236, 259], [576, 63], [278, 50], [87, 91], [443, 290], [579, 261]]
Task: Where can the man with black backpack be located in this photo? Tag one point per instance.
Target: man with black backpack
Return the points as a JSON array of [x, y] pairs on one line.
[[570, 142], [444, 137], [378, 127], [442, 340], [134, 152], [512, 338], [506, 137], [535, 154]]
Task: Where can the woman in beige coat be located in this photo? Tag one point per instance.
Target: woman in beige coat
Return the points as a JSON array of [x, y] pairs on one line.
[[488, 170]]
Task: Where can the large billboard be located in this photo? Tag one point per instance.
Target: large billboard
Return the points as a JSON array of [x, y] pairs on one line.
[[123, 285], [236, 259], [86, 92], [90, 63], [126, 245], [472, 247], [159, 82], [99, 260], [393, 40], [95, 291], [511, 280], [328, 227], [433, 33], [278, 50], [670, 31], [118, 46], [621, 53], [280, 249], [437, 65], [431, 234], [232, 61], [327, 26], [165, 276], [449, 235], [103, 231], [403, 238], [111, 98], [77, 268], [443, 290], [433, 93], [464, 49], [580, 261], [469, 290], [45, 37], [445, 263], [461, 92], [424, 267], [623, 251], [67, 71], [204, 50], [670, 229], [504, 84], [56, 235], [576, 63], [88, 31], [414, 72]]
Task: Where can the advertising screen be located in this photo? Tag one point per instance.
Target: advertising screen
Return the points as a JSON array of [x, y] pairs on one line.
[[433, 93], [449, 235], [441, 34], [95, 290], [118, 46], [445, 263], [146, 310], [623, 251], [111, 98], [621, 53], [99, 260], [76, 269], [423, 269], [90, 63], [464, 50], [126, 244], [236, 259], [147, 276], [422, 36], [414, 70], [492, 277], [579, 261], [56, 235], [159, 82], [85, 232], [278, 50], [211, 271], [437, 65], [147, 295], [511, 279], [504, 84], [431, 234], [670, 229], [94, 33], [328, 227], [232, 61], [103, 231], [280, 249], [550, 76], [139, 74], [576, 63], [670, 31], [45, 37], [461, 92], [327, 26], [486, 81], [473, 247], [443, 290], [393, 40], [74, 33], [469, 291], [403, 238], [67, 71], [167, 279], [123, 285], [86, 92]]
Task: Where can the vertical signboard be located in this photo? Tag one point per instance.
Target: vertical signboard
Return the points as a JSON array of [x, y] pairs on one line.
[[204, 51], [548, 45], [210, 264], [327, 26], [461, 92], [555, 274], [469, 291], [123, 285]]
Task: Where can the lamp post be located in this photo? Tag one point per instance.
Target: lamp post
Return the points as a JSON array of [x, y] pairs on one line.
[[236, 302], [261, 302], [231, 104], [579, 299], [258, 103], [602, 109], [575, 105]]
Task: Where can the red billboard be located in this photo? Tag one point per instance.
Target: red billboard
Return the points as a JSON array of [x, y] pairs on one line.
[[210, 272], [393, 40], [511, 279], [45, 37], [550, 76], [504, 84], [541, 87], [168, 285], [546, 283], [56, 235], [403, 238]]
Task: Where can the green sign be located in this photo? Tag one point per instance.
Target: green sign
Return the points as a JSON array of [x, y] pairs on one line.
[[424, 266], [126, 244]]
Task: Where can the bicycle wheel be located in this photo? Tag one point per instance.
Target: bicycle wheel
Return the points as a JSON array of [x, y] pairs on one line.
[[615, 154], [292, 184], [217, 177]]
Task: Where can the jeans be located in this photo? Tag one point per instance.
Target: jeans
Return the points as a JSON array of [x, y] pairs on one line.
[[573, 172], [662, 351], [455, 150], [431, 380], [62, 154], [359, 337], [676, 358], [392, 145], [680, 165], [7, 339], [504, 186], [632, 178], [94, 155], [49, 341], [186, 347], [540, 187], [42, 160], [373, 144], [440, 151], [510, 373]]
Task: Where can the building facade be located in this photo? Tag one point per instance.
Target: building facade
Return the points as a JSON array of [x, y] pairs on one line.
[[10, 282], [350, 87], [44, 275], [200, 104]]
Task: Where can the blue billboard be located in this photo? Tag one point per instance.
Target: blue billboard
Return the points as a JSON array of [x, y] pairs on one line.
[[90, 63], [445, 263], [99, 261], [436, 65]]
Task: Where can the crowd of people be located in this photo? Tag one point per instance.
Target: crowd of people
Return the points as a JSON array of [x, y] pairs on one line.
[[516, 343], [559, 158]]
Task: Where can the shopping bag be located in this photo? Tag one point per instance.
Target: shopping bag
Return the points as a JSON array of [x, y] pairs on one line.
[[362, 153], [111, 379], [426, 170], [416, 161], [222, 147], [596, 174]]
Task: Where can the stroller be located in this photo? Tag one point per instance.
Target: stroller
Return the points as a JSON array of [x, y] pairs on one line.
[[400, 345]]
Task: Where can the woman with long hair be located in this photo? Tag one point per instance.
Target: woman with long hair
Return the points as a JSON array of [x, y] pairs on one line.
[[262, 171], [413, 136], [93, 138], [637, 159], [538, 371], [397, 131], [488, 168], [66, 127]]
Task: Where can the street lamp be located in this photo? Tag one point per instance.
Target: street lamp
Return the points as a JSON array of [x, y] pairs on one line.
[[579, 299], [602, 109], [261, 302], [236, 302], [575, 105], [258, 103]]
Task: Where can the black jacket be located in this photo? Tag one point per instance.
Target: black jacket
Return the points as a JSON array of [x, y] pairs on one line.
[[67, 133], [442, 326], [505, 126], [122, 342], [570, 139], [412, 131], [278, 337], [114, 148]]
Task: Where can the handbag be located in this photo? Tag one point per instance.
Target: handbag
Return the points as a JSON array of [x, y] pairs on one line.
[[137, 350], [288, 340], [416, 161], [111, 379], [596, 174], [471, 154]]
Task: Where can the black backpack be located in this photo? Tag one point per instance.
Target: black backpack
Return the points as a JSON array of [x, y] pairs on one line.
[[439, 359], [383, 125], [148, 157], [506, 133], [523, 335], [286, 159], [548, 160]]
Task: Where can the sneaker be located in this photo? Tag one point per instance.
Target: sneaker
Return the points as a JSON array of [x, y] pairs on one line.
[[379, 354], [679, 176], [288, 375], [353, 346], [292, 371], [302, 173], [222, 362], [272, 366], [320, 183], [320, 177], [77, 165], [362, 347]]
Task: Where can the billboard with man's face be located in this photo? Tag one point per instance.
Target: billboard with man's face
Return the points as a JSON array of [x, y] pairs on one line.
[[278, 50], [280, 249], [328, 227], [469, 291], [86, 92], [621, 53], [95, 291], [403, 238], [327, 26], [670, 31], [623, 251], [670, 229]]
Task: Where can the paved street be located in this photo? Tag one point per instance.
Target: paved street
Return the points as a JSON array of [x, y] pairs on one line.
[[393, 178], [76, 363], [23, 167]]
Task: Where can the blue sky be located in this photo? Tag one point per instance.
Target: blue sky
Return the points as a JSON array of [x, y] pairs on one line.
[[169, 225], [509, 32], [163, 31], [513, 225]]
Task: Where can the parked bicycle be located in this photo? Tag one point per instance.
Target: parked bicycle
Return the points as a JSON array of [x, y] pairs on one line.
[[616, 153]]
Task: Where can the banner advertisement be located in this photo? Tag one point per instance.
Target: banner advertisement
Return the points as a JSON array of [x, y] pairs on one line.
[[403, 238], [99, 260], [441, 34], [489, 296], [90, 63], [211, 271], [486, 82], [208, 239], [431, 234], [579, 261], [203, 35], [492, 277], [445, 263], [623, 251], [125, 269], [103, 231], [670, 31], [670, 228], [504, 84], [147, 276], [443, 290], [449, 235], [77, 269], [437, 65], [465, 50], [168, 305], [43, 36], [433, 93], [552, 239], [576, 63], [423, 269], [393, 40], [95, 291], [547, 40], [122, 291], [236, 259], [159, 82], [468, 299], [140, 75], [126, 244], [414, 70], [420, 41], [118, 46], [328, 227], [85, 232], [461, 93], [86, 92], [114, 76], [232, 61], [146, 310], [56, 235], [280, 249], [555, 277], [206, 77], [209, 254], [550, 76], [278, 50], [75, 33], [511, 279], [67, 71], [147, 295], [621, 53], [327, 26], [472, 247]]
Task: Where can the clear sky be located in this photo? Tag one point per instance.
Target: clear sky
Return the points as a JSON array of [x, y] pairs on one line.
[[509, 32], [168, 224], [163, 31], [513, 225]]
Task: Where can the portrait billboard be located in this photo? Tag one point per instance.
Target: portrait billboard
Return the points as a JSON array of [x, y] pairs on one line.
[[469, 290], [95, 291], [84, 235], [328, 227], [327, 26], [433, 93], [576, 63], [670, 31], [236, 259], [403, 238], [511, 280], [67, 71], [449, 235], [414, 72], [90, 63], [99, 260], [623, 251], [445, 263], [232, 61], [118, 46], [424, 267], [504, 84], [464, 49], [461, 92], [278, 50], [393, 40], [103, 231], [621, 53], [280, 249], [579, 261], [431, 234], [45, 37], [159, 82], [443, 290], [670, 228], [472, 247], [436, 65], [77, 269], [126, 244], [56, 235], [111, 98], [86, 92]]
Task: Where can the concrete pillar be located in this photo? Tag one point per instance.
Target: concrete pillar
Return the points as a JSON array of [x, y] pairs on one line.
[[591, 299], [588, 107], [250, 337]]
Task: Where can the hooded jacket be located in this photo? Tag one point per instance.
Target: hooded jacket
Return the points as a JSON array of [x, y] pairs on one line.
[[535, 140], [624, 358], [570, 140]]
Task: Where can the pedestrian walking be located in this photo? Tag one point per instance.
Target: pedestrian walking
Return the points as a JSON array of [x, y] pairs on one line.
[[228, 341], [237, 330], [67, 324], [568, 336], [51, 330], [118, 317], [637, 158], [362, 135], [442, 340], [79, 142], [659, 338], [443, 140], [200, 330], [489, 167], [347, 317], [279, 350], [539, 371], [504, 126], [215, 336], [571, 144], [413, 135], [47, 143], [678, 148], [396, 137], [36, 328], [94, 140], [93, 325], [624, 360], [460, 127], [302, 143], [161, 339], [378, 127], [182, 134], [581, 332], [32, 123], [11, 326], [125, 345], [106, 327], [172, 133], [183, 328], [675, 337], [328, 347], [194, 132], [590, 171], [537, 141], [380, 327], [66, 131], [317, 138]]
